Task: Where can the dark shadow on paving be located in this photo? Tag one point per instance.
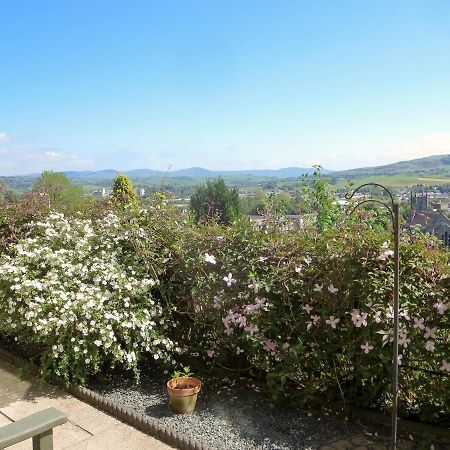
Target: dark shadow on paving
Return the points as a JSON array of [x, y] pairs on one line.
[[14, 386]]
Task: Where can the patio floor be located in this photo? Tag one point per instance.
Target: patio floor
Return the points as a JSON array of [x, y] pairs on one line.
[[87, 427]]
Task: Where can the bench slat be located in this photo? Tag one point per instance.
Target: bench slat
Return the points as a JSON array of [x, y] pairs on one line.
[[30, 426]]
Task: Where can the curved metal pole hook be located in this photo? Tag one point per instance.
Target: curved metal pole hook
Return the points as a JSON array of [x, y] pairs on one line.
[[385, 189], [349, 212]]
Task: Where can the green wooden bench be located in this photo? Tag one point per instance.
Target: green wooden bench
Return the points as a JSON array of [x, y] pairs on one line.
[[38, 426]]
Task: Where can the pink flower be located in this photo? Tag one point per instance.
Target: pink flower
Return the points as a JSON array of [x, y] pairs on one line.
[[419, 323], [332, 289], [359, 318], [315, 319], [307, 308], [399, 360], [211, 353], [430, 346], [367, 347], [403, 339], [217, 302], [318, 287], [430, 332], [385, 255], [445, 366], [441, 306], [250, 328], [377, 317], [270, 346], [332, 321]]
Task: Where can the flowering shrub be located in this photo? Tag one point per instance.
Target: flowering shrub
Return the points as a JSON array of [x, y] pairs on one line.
[[314, 310], [76, 292]]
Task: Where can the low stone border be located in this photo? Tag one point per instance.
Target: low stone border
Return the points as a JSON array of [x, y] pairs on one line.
[[172, 437], [146, 424]]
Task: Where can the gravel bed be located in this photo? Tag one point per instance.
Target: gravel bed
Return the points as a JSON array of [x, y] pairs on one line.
[[231, 417]]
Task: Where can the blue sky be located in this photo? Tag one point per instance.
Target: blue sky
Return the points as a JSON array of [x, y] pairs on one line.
[[89, 85]]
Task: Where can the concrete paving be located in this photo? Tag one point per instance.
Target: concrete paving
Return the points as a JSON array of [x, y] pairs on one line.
[[87, 427]]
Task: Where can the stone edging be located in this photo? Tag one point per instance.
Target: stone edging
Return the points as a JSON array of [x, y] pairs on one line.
[[147, 424]]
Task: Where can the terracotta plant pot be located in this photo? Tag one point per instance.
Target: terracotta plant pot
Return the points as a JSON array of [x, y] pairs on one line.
[[183, 394]]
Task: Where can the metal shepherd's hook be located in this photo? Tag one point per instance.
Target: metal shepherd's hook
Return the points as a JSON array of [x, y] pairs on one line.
[[393, 209]]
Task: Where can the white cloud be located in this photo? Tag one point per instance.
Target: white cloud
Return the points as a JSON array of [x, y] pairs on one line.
[[428, 145], [24, 160], [3, 137]]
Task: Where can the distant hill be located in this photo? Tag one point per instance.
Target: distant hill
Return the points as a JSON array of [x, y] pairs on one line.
[[91, 180], [429, 171], [194, 172], [431, 165]]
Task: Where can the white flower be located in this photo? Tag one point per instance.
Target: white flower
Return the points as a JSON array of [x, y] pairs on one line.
[[229, 280], [298, 269], [430, 346], [239, 350], [307, 308], [367, 347], [210, 258], [211, 353], [332, 289]]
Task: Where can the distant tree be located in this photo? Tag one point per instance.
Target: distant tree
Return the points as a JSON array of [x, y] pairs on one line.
[[214, 200], [60, 193], [317, 197], [124, 193]]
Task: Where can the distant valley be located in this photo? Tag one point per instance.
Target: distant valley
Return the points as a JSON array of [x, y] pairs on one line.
[[432, 170]]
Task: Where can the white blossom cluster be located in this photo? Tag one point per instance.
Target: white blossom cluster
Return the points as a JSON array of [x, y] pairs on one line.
[[75, 288]]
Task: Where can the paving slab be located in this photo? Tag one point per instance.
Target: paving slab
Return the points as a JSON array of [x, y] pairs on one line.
[[86, 428]]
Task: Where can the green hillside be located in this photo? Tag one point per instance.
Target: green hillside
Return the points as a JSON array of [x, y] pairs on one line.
[[432, 166]]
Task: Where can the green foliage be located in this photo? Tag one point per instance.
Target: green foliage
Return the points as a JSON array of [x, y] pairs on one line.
[[76, 293], [318, 198], [60, 194], [214, 200], [312, 310], [124, 193], [184, 373], [308, 311]]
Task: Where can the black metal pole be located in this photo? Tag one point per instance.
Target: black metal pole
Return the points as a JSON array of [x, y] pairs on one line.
[[396, 229], [393, 208]]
